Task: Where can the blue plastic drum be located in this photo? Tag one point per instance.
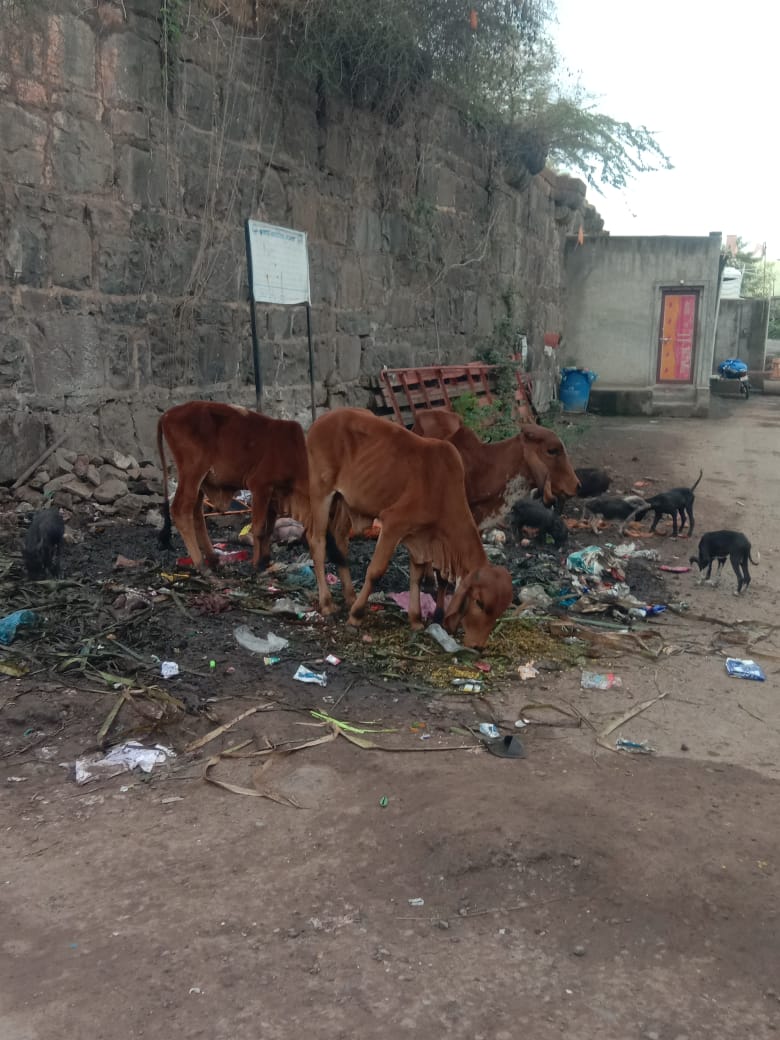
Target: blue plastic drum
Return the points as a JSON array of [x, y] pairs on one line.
[[575, 388]]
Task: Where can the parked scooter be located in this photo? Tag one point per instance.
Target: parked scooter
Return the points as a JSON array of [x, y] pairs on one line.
[[733, 368]]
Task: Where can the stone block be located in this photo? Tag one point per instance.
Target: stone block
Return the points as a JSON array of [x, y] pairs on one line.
[[199, 96], [77, 488], [348, 355], [74, 357], [122, 264], [29, 495], [130, 72], [333, 222], [92, 475], [350, 286], [142, 176], [109, 491], [366, 231], [335, 153], [15, 367], [24, 139], [70, 254], [82, 155], [70, 57], [134, 125], [356, 324]]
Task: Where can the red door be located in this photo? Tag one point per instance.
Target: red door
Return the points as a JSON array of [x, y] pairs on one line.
[[678, 335]]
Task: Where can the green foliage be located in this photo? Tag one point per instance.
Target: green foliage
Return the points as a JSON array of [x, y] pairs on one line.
[[172, 19], [494, 60], [758, 276]]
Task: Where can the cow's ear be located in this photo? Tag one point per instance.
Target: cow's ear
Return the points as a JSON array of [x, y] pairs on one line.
[[532, 432]]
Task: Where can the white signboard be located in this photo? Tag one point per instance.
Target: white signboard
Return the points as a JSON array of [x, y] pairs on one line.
[[280, 264]]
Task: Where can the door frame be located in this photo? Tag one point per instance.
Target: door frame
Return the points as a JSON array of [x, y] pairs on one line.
[[666, 292]]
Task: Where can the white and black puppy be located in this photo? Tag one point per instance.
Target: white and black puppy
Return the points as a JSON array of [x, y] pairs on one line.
[[720, 545]]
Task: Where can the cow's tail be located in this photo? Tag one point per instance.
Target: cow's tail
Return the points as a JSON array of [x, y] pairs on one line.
[[300, 509], [164, 536]]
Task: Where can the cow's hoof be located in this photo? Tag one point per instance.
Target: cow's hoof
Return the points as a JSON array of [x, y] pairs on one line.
[[356, 618], [329, 609]]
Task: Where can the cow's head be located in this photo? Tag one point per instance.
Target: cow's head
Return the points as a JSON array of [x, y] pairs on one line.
[[479, 601], [547, 461]]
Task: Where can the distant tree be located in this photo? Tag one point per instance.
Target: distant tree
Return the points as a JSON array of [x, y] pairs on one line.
[[756, 276]]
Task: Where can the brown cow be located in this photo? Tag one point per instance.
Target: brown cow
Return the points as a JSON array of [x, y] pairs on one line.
[[362, 467], [535, 454], [220, 449]]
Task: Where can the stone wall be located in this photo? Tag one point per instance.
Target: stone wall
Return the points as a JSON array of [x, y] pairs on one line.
[[125, 180], [741, 332]]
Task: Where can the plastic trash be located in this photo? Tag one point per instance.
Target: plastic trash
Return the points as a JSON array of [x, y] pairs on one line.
[[444, 639], [427, 603], [285, 605], [534, 596], [301, 577], [306, 675], [272, 644], [332, 659], [121, 759], [168, 669], [10, 624], [416, 902], [636, 747], [468, 685], [744, 669], [599, 680], [527, 670], [488, 729]]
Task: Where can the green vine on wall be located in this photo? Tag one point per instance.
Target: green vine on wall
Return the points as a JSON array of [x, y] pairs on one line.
[[172, 19]]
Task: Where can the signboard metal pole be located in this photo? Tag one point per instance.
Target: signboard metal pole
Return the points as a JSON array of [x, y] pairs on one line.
[[253, 321], [311, 362]]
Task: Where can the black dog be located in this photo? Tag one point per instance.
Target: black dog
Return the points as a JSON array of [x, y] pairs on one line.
[[717, 545], [43, 544], [613, 507], [529, 513], [592, 482], [670, 503]]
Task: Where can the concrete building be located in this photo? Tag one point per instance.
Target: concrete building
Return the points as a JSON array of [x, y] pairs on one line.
[[642, 312]]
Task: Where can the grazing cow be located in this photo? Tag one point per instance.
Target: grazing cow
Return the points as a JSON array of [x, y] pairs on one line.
[[535, 454], [362, 467], [220, 449]]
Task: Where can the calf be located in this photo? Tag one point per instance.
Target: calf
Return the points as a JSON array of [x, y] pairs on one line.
[[717, 545], [535, 455], [43, 544], [220, 449], [362, 467]]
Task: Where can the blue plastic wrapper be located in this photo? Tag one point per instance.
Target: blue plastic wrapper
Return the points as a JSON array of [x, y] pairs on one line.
[[744, 669], [10, 624]]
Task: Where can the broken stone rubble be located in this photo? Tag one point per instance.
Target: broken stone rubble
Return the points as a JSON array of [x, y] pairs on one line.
[[111, 484]]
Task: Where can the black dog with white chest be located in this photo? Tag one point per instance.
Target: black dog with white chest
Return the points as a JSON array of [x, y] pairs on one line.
[[720, 545], [670, 503]]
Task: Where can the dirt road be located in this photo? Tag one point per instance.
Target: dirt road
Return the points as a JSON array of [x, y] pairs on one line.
[[576, 892]]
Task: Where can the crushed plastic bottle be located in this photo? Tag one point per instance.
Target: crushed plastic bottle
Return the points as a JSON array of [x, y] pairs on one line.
[[599, 680], [468, 685], [444, 639]]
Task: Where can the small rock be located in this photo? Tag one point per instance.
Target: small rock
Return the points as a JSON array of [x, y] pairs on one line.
[[68, 455], [579, 951], [62, 498], [684, 747], [77, 488], [132, 505], [444, 925], [153, 518], [92, 476], [24, 507], [56, 482], [123, 462], [110, 490], [151, 473], [59, 463], [81, 465], [28, 494], [39, 480], [108, 472]]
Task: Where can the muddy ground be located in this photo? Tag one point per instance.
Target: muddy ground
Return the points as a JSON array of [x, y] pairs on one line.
[[577, 891]]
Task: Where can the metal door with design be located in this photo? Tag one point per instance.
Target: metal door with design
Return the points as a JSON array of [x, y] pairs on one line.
[[676, 343]]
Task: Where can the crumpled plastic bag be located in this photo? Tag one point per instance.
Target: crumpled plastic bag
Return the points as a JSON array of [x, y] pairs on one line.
[[272, 644], [9, 625], [427, 602], [121, 759]]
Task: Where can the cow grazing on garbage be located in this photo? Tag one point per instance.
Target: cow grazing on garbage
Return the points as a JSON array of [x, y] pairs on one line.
[[220, 449], [536, 455], [362, 467]]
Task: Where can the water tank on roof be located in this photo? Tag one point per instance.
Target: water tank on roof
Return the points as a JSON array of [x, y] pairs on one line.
[[730, 283]]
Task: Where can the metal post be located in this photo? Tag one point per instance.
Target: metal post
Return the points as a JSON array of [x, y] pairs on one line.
[[311, 362], [253, 322]]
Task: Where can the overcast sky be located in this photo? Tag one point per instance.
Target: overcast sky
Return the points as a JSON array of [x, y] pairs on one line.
[[705, 78]]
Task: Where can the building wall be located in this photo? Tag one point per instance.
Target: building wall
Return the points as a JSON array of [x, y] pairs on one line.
[[741, 332], [123, 193], [613, 303]]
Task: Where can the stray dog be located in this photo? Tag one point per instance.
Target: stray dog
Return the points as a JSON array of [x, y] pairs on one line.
[[611, 508], [717, 545], [592, 482], [670, 503], [529, 513], [43, 544]]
